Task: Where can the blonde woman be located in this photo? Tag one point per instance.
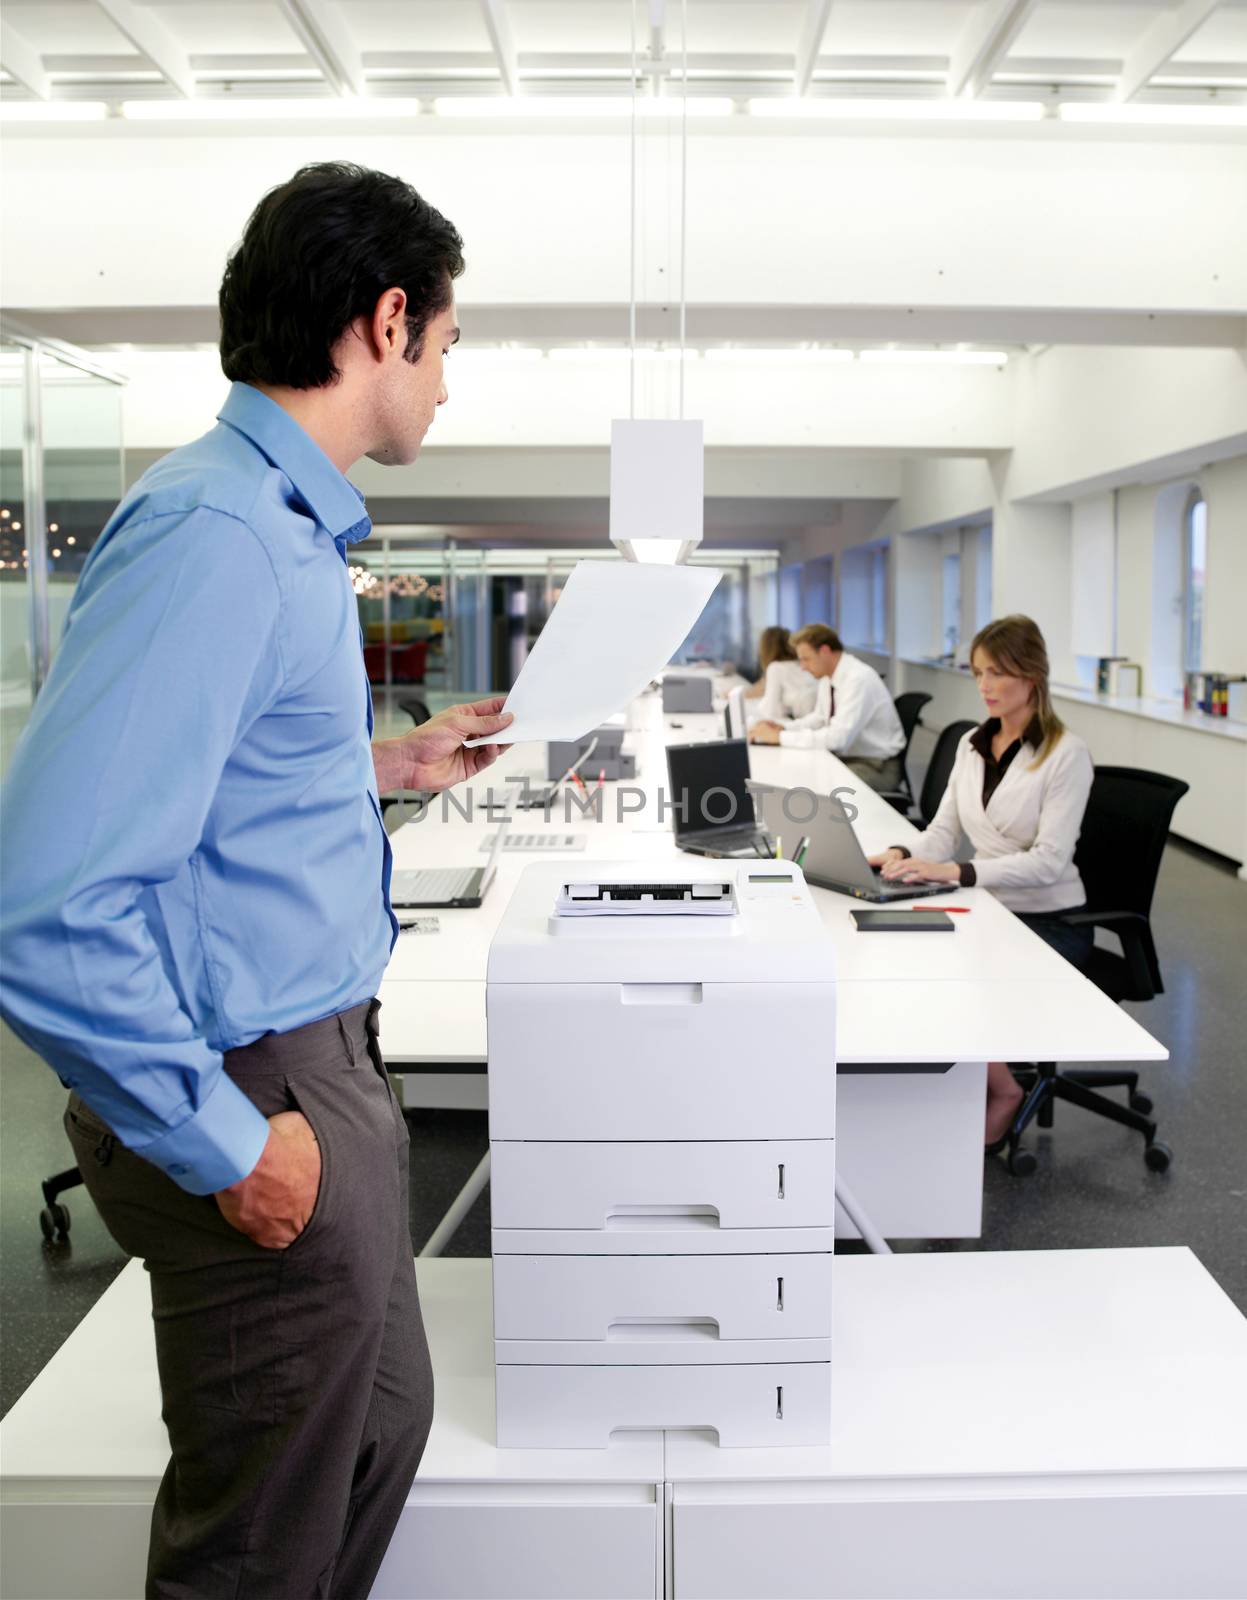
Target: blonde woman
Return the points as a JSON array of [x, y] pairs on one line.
[[1017, 792], [785, 689]]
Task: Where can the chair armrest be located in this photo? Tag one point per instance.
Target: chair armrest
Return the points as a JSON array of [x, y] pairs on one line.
[[1137, 945]]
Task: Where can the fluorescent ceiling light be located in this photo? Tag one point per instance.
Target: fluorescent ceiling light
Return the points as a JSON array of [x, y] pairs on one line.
[[1201, 116], [867, 109], [564, 106], [617, 356], [497, 356], [52, 111], [668, 552], [228, 108], [935, 358], [796, 357]]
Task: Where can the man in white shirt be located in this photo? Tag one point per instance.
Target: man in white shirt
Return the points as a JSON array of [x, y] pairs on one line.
[[853, 714]]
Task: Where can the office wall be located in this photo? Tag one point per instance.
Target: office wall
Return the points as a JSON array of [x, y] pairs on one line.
[[1224, 486], [1033, 215], [1093, 575], [1089, 417]]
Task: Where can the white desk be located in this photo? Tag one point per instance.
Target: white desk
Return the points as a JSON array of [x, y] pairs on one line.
[[910, 1145], [1064, 1423]]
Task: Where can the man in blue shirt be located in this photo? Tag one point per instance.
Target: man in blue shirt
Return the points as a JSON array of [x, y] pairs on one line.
[[196, 918]]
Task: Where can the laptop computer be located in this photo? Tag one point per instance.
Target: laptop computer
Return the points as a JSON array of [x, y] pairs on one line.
[[693, 693], [711, 809], [834, 858], [450, 888]]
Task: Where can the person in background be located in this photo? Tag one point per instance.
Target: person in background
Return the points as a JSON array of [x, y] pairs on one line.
[[196, 906], [784, 689], [853, 714], [1017, 792]]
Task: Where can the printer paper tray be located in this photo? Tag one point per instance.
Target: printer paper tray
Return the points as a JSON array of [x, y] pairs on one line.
[[675, 1353], [747, 1403], [655, 1242]]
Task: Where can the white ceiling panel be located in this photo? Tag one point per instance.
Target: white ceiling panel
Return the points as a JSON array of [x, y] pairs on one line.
[[1078, 28], [1223, 38], [47, 27], [737, 48], [206, 27], [423, 25], [747, 28], [895, 27], [559, 27]]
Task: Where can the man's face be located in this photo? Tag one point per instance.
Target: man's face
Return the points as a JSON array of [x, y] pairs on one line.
[[412, 391], [818, 663]]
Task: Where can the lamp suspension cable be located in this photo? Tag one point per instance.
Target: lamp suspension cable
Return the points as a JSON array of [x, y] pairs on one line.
[[632, 232], [683, 189]]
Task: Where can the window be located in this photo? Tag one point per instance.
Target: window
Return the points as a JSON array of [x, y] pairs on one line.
[[950, 614], [1194, 566], [879, 597]]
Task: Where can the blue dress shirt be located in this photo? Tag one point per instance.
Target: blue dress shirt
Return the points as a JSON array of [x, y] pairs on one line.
[[193, 852]]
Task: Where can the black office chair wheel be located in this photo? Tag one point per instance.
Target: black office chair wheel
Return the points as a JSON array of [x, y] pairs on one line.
[[1022, 1162], [1141, 1103], [54, 1220], [1158, 1156]]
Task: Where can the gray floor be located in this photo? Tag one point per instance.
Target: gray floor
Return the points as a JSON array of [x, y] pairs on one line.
[[1091, 1188]]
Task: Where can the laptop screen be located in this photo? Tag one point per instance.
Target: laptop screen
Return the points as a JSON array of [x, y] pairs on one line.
[[707, 787]]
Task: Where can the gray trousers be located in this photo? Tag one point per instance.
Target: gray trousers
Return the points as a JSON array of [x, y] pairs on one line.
[[296, 1383], [880, 772]]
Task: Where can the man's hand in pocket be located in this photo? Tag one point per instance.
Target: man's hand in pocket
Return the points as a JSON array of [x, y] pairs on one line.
[[274, 1202]]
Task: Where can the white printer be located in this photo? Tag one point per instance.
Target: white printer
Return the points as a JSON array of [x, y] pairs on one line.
[[662, 1120]]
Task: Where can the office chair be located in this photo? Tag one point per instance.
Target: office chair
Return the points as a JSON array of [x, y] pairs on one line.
[[414, 707], [908, 708], [1118, 856], [937, 774]]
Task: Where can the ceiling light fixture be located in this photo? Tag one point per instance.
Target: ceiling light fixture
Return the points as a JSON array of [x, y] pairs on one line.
[[227, 108], [1173, 116], [935, 358], [53, 111], [798, 356], [494, 107], [868, 109]]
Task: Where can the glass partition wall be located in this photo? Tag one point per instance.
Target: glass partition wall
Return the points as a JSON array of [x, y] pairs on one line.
[[61, 474], [446, 620]]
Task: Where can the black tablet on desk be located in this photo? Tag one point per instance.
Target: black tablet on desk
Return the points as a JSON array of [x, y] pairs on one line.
[[916, 921]]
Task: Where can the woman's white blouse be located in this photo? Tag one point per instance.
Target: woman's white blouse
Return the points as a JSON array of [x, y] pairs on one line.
[[790, 692], [1024, 841]]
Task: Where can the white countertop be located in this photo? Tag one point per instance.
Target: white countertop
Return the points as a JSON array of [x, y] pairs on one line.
[[991, 989], [1070, 1363], [1151, 707]]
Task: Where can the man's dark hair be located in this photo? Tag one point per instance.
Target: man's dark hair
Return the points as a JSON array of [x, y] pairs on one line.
[[319, 251]]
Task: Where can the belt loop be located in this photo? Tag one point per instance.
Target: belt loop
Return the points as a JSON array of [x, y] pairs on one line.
[[347, 1042], [370, 1021]]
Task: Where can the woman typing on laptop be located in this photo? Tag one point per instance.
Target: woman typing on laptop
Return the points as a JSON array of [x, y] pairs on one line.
[[1017, 792]]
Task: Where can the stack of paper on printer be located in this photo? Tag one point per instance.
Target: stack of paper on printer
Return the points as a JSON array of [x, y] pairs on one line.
[[625, 897], [616, 625]]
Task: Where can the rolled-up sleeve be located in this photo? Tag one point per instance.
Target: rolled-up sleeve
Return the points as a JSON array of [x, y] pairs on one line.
[[172, 649]]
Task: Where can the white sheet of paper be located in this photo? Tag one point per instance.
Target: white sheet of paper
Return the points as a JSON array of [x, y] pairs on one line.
[[614, 627]]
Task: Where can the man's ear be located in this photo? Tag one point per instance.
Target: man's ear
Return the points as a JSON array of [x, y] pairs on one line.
[[389, 324]]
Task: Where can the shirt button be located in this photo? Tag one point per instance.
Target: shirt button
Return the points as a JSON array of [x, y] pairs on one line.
[[70, 1083], [177, 1170]]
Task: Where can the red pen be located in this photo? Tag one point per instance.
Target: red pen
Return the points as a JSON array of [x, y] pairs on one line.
[[932, 908]]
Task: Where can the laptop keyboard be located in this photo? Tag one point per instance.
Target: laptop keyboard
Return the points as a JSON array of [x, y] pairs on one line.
[[433, 883]]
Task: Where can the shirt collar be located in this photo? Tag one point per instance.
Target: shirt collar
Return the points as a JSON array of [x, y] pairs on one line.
[[333, 499], [981, 738]]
